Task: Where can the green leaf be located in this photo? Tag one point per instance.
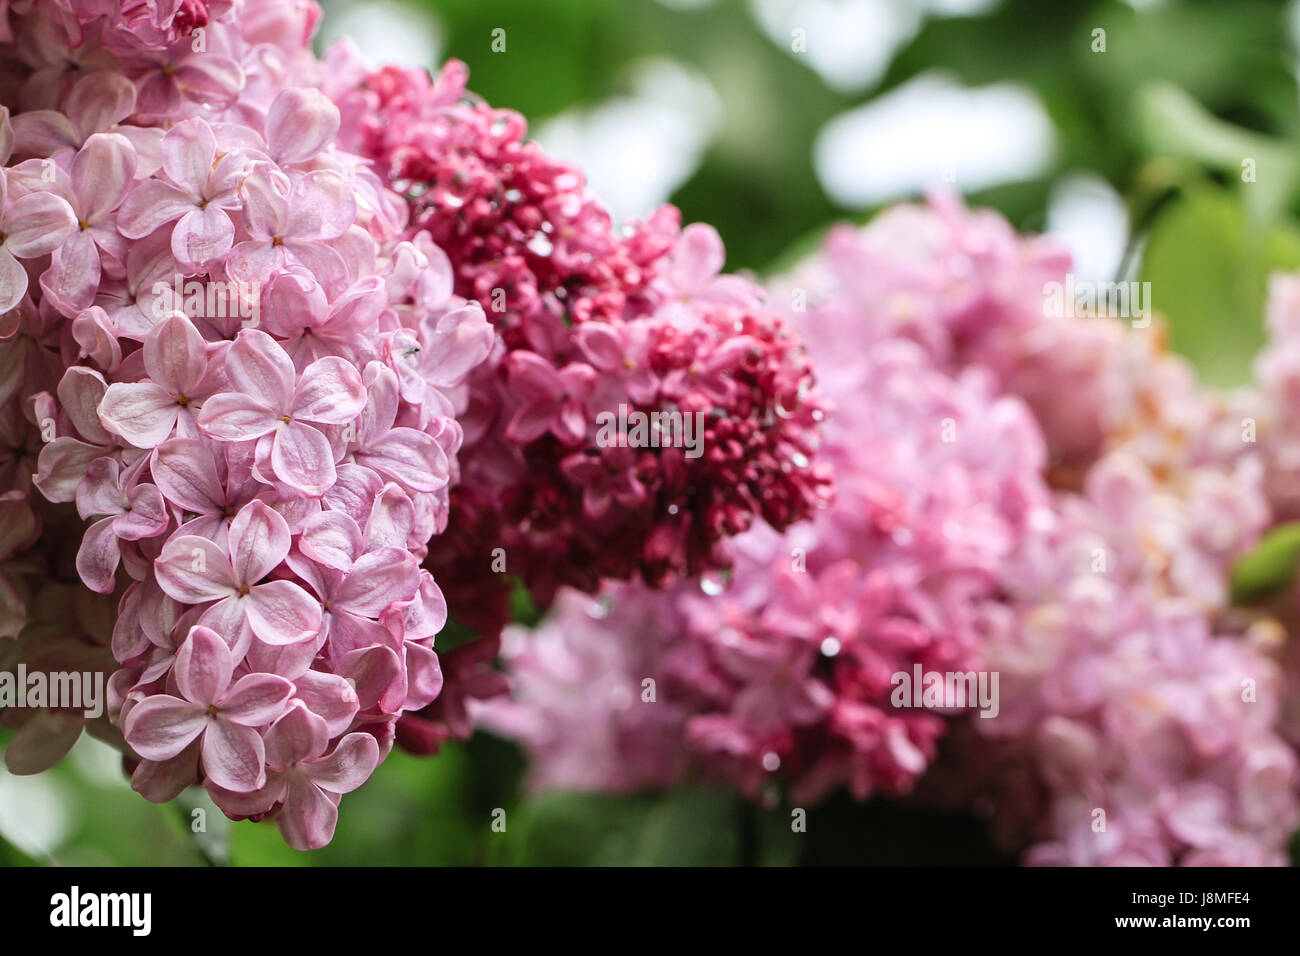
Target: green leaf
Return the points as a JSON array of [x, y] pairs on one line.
[[1209, 275], [1270, 567], [1175, 125], [686, 827]]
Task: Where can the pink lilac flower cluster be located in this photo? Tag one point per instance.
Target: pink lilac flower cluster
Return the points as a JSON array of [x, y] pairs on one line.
[[590, 320], [1125, 686], [243, 371], [1271, 406], [786, 673], [1134, 729]]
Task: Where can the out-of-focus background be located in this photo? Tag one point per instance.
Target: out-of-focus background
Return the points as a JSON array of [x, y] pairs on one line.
[[1160, 140]]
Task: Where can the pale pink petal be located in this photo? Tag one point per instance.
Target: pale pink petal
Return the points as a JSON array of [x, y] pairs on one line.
[[211, 79], [146, 514], [258, 366], [161, 726], [141, 413], [330, 392], [322, 206], [183, 468], [331, 699], [188, 151], [203, 667], [331, 538], [308, 818], [254, 261], [102, 172], [161, 781], [42, 133], [256, 699], [194, 570], [62, 464], [234, 757], [99, 100], [296, 736], [203, 235], [236, 416], [151, 204], [98, 557], [456, 343], [423, 676], [13, 281], [299, 124], [377, 581], [348, 766], [73, 276], [259, 540], [303, 459], [80, 391], [391, 520], [280, 612], [409, 457], [37, 224]]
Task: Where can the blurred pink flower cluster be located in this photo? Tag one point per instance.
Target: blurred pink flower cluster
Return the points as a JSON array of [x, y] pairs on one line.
[[591, 321], [1138, 718], [221, 345]]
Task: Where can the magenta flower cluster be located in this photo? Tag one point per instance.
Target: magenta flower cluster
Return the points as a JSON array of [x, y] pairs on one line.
[[591, 321], [243, 370]]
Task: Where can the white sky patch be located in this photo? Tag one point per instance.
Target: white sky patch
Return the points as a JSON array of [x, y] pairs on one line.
[[639, 147], [850, 43], [386, 31], [931, 132], [1086, 214]]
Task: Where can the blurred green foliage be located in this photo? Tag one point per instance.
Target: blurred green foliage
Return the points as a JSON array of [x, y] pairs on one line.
[[1184, 92]]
